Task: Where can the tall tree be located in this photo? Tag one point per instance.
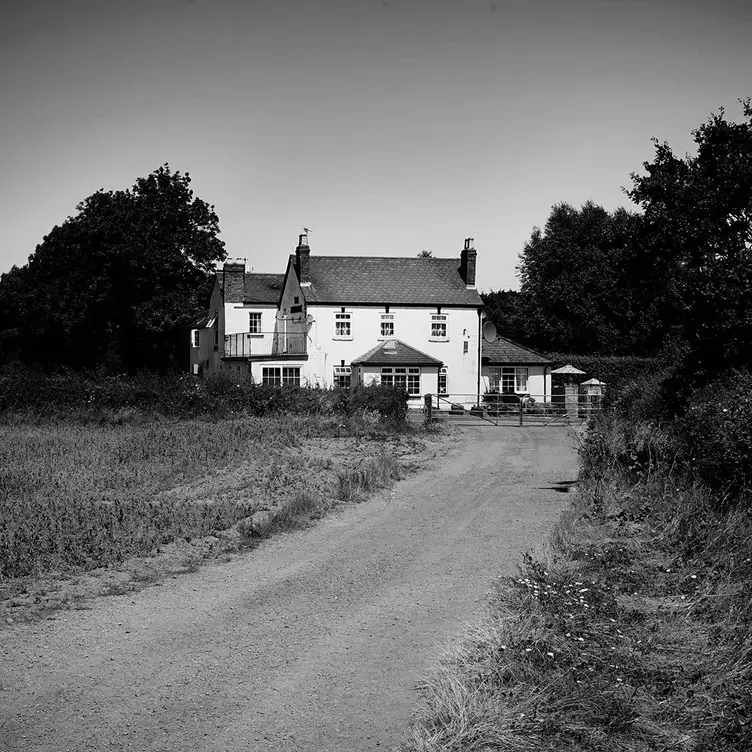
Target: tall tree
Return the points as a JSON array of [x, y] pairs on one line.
[[116, 283], [576, 294], [697, 234], [503, 308]]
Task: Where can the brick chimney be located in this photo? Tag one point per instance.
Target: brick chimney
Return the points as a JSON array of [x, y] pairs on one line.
[[303, 260], [233, 274], [467, 263]]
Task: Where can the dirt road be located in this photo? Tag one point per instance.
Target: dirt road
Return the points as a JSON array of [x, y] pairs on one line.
[[314, 641]]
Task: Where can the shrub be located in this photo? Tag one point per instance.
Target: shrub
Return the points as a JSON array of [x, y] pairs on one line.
[[716, 431], [101, 397], [388, 401], [616, 371]]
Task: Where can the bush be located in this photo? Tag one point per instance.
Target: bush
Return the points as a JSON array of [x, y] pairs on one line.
[[388, 401], [616, 371], [716, 431], [99, 397]]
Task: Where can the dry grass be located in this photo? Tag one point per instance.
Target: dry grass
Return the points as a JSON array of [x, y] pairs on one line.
[[83, 496], [633, 632]]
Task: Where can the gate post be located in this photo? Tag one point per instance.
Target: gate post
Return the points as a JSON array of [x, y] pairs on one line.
[[428, 402], [521, 404]]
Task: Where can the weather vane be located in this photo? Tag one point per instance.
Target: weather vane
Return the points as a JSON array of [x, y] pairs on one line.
[[306, 230]]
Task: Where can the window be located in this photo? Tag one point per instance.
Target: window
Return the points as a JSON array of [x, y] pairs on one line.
[[254, 323], [407, 378], [343, 325], [439, 326], [465, 347], [280, 376], [342, 376], [196, 337], [387, 325], [508, 379], [443, 381]]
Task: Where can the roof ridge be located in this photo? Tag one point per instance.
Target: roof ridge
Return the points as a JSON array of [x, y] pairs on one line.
[[390, 258]]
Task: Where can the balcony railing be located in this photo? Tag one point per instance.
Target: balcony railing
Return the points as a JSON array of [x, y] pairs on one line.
[[265, 344]]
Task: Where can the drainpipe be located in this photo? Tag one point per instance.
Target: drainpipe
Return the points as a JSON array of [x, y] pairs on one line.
[[480, 345]]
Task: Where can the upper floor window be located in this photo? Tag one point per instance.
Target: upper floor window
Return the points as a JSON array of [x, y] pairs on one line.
[[439, 326], [342, 376], [508, 379], [387, 325], [196, 337], [254, 323], [343, 325]]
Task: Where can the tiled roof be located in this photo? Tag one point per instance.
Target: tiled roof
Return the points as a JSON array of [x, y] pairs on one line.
[[394, 352], [503, 350], [262, 288], [385, 281]]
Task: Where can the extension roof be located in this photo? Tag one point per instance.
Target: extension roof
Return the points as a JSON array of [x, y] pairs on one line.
[[394, 352], [503, 351], [339, 280], [206, 321]]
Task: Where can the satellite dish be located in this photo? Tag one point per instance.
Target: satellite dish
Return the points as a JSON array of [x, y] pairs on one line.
[[309, 318], [489, 331]]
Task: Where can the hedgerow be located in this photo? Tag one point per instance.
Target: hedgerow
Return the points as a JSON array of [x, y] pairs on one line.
[[615, 370], [98, 396]]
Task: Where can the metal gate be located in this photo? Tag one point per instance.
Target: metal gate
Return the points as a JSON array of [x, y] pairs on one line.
[[509, 409]]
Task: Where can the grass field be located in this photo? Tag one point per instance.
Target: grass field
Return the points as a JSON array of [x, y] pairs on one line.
[[79, 496]]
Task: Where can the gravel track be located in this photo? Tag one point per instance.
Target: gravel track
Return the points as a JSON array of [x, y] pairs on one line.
[[313, 641]]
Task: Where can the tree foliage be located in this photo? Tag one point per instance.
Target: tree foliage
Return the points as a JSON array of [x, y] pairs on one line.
[[503, 308], [697, 237], [577, 289], [117, 283]]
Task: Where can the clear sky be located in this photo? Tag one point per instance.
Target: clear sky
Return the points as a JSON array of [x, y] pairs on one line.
[[385, 126]]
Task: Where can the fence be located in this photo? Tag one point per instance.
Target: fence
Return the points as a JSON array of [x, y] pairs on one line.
[[511, 409]]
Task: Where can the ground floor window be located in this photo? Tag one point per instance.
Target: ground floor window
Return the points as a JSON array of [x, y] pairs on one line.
[[507, 379], [443, 381], [342, 377], [408, 378], [280, 376]]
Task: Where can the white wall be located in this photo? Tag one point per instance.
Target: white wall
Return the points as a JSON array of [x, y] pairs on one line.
[[412, 326], [237, 319]]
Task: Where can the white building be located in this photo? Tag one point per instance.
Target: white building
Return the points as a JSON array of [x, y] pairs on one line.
[[341, 320]]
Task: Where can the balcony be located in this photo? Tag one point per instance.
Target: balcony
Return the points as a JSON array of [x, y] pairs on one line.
[[265, 345]]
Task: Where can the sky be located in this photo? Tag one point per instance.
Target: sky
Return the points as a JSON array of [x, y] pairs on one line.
[[387, 127]]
